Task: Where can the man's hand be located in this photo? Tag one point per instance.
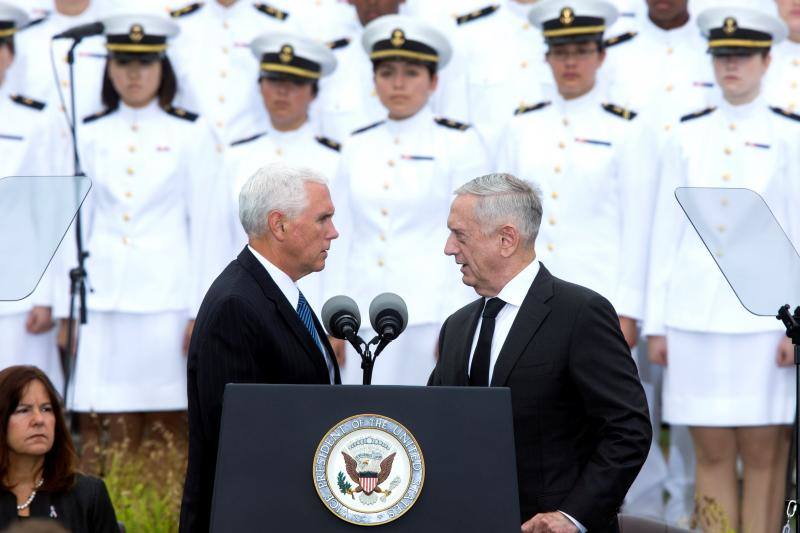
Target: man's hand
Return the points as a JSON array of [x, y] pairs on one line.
[[628, 327], [187, 337], [785, 352], [339, 350], [657, 349], [40, 320], [554, 522]]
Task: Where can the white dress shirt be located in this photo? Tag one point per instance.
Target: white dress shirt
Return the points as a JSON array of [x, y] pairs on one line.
[[289, 289], [513, 294]]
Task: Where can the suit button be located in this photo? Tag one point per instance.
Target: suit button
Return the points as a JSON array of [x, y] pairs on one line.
[[381, 262], [126, 217], [552, 221], [721, 228], [669, 88], [221, 99], [128, 194], [732, 127], [551, 246], [279, 151], [557, 169], [126, 241], [390, 163], [129, 171], [524, 64], [131, 148], [728, 151], [554, 195], [220, 124], [667, 127], [385, 185], [382, 237], [220, 148], [223, 73], [224, 49], [565, 121], [726, 176], [134, 127], [669, 51], [385, 212], [562, 145]]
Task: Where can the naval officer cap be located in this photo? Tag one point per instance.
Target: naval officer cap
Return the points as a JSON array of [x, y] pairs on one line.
[[140, 37], [287, 56], [402, 37], [573, 21], [740, 30], [12, 19]]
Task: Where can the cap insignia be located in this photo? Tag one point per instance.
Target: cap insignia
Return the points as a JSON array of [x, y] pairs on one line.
[[567, 16], [730, 26], [136, 33], [287, 54], [398, 38]]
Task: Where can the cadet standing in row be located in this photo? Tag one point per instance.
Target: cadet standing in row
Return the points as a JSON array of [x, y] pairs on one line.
[[155, 229], [782, 83], [290, 70], [726, 375], [392, 197]]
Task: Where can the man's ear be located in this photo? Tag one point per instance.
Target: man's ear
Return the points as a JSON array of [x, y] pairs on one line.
[[276, 221], [509, 240]]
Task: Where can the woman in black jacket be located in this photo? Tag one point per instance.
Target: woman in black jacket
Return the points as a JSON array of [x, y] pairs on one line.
[[37, 460]]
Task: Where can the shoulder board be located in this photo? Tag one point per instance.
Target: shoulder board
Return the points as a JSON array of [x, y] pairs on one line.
[[181, 113], [475, 15], [330, 143], [528, 108], [785, 113], [698, 114], [452, 124], [619, 39], [38, 21], [338, 43], [272, 11], [98, 115], [248, 139], [367, 128], [627, 114], [185, 10], [27, 102]]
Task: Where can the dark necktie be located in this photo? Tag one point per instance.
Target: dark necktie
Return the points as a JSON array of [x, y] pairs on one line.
[[479, 372], [304, 312]]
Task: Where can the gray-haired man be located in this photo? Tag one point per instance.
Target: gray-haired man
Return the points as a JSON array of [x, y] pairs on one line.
[[581, 424], [255, 326]]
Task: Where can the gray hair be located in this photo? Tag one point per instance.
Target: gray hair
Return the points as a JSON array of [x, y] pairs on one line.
[[275, 187], [503, 199]]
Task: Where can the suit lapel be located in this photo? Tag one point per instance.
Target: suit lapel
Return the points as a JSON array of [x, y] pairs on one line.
[[285, 309], [530, 316]]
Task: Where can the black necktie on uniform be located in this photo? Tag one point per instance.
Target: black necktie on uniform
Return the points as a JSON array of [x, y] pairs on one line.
[[479, 372]]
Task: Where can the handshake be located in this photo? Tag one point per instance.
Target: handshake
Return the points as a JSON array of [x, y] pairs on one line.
[[388, 315]]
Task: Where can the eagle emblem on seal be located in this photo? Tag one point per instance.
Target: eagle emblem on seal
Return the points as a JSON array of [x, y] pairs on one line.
[[368, 474]]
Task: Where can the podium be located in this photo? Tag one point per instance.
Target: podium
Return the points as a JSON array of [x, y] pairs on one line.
[[338, 458]]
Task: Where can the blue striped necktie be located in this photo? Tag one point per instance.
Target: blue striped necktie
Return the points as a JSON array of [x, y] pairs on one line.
[[305, 314]]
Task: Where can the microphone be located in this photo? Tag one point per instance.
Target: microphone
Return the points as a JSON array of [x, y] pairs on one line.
[[79, 32], [388, 315], [341, 317]]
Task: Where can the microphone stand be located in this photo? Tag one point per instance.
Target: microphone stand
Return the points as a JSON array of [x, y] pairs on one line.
[[792, 324], [77, 275], [363, 349]]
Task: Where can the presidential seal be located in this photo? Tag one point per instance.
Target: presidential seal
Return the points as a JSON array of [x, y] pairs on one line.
[[368, 470]]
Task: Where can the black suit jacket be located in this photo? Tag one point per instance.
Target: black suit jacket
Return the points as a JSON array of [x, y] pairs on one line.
[[84, 508], [246, 332], [581, 426]]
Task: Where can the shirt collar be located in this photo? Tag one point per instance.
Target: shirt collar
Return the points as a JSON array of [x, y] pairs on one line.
[[412, 124], [516, 290], [281, 279]]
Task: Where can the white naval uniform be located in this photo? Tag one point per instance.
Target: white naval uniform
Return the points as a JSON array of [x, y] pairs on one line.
[[392, 197], [663, 74], [156, 225], [503, 73], [302, 148], [781, 85], [721, 367], [597, 174], [217, 72], [26, 150]]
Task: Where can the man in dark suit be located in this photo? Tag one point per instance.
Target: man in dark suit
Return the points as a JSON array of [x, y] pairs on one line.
[[581, 425], [255, 325]]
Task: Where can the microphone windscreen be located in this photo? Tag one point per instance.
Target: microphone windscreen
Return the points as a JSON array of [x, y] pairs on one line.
[[337, 306], [388, 301]]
